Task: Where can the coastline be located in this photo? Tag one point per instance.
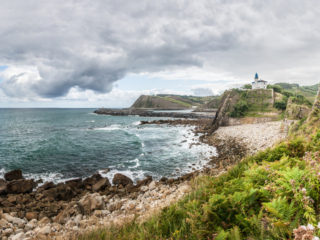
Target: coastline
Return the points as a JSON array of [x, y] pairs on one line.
[[120, 204]]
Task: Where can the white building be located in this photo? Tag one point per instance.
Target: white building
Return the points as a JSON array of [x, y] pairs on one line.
[[259, 83]]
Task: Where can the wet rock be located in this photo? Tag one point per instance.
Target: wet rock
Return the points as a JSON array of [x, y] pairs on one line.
[[101, 185], [47, 185], [164, 179], [91, 202], [145, 181], [120, 179], [20, 186], [60, 192], [75, 183], [13, 175], [3, 186], [90, 181]]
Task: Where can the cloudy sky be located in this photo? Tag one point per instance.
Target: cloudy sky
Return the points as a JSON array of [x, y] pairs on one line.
[[82, 53]]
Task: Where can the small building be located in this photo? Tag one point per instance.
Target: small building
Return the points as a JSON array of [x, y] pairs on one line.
[[259, 83]]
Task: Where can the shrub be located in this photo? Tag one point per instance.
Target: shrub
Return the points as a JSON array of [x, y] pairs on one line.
[[281, 105], [239, 109]]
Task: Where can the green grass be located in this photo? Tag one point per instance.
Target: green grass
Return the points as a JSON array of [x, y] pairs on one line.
[[263, 197], [177, 101]]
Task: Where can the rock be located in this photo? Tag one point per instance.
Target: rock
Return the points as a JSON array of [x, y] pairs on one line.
[[31, 215], [7, 232], [3, 186], [75, 183], [120, 179], [105, 171], [3, 222], [14, 220], [60, 192], [19, 236], [20, 186], [91, 202], [164, 179], [152, 185], [101, 185], [31, 225], [144, 182], [44, 230], [47, 185], [44, 220], [88, 182], [13, 175]]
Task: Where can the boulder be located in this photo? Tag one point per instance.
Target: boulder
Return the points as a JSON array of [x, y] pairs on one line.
[[31, 215], [47, 185], [120, 179], [101, 185], [91, 202], [144, 182], [3, 186], [90, 181], [13, 175], [75, 183], [60, 192], [20, 186]]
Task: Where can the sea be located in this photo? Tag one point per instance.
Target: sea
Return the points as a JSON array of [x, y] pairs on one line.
[[62, 144]]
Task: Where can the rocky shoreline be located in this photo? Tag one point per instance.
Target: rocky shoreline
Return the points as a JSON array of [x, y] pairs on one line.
[[152, 113], [67, 210]]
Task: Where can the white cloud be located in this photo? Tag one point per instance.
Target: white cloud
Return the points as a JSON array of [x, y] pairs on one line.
[[89, 45]]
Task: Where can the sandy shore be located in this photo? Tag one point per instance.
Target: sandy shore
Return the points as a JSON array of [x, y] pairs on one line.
[[98, 209]]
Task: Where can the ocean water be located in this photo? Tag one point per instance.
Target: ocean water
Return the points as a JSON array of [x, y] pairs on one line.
[[61, 144]]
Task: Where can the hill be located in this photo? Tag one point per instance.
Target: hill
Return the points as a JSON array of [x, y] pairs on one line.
[[169, 101], [308, 92]]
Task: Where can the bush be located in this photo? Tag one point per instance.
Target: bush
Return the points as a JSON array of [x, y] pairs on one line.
[[239, 109], [275, 88], [247, 86], [281, 105]]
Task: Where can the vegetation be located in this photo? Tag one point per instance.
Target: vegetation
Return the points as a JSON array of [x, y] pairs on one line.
[[265, 196], [247, 86], [239, 109]]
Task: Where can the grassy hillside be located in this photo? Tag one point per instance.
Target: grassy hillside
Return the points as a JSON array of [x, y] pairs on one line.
[[165, 101], [266, 196], [307, 91]]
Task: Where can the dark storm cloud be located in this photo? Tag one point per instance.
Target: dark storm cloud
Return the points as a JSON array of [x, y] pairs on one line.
[[92, 44]]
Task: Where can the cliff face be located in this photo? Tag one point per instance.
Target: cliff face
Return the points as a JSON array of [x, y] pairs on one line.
[[242, 102], [296, 111]]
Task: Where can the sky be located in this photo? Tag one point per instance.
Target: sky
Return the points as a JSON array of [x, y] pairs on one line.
[[104, 53]]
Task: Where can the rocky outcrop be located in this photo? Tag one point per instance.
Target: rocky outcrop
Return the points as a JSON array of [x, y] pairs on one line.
[[13, 175], [120, 179], [149, 113], [296, 111], [20, 186]]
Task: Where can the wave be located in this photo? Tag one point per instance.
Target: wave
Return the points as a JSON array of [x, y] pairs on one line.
[[109, 128], [136, 123]]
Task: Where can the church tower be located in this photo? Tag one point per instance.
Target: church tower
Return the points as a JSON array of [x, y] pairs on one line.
[[256, 77]]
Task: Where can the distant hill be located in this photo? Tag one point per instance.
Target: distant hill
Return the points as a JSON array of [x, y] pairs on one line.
[[170, 101], [307, 91]]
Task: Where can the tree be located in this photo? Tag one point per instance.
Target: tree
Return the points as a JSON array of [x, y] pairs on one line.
[[247, 86]]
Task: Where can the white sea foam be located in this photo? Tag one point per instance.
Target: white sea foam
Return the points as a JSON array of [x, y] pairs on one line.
[[132, 174], [136, 123], [110, 128], [137, 162]]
